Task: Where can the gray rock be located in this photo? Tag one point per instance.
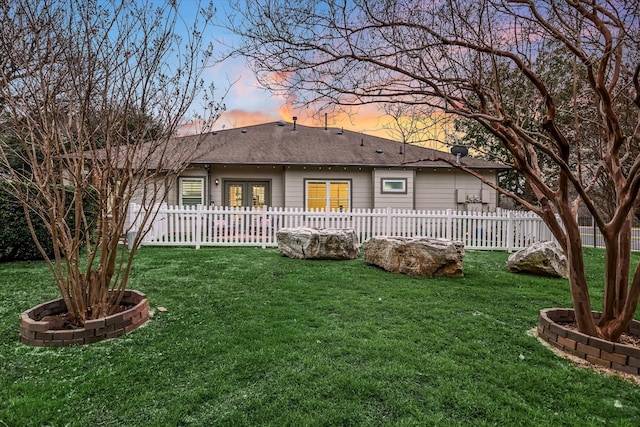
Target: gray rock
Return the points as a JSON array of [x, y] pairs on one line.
[[419, 256], [540, 259], [314, 243]]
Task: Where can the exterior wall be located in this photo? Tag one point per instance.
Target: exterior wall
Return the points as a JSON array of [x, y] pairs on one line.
[[191, 172], [400, 200], [438, 189], [427, 189], [294, 194], [213, 191], [159, 186]]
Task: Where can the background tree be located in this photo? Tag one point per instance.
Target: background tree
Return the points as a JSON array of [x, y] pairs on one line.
[[412, 124], [568, 84], [91, 93], [407, 125], [463, 58]]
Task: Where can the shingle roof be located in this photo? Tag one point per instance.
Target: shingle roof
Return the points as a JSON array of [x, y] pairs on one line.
[[278, 144]]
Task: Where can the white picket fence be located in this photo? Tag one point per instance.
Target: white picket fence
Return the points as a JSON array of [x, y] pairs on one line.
[[226, 226]]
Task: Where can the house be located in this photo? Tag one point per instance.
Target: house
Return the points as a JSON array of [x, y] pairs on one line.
[[287, 165]]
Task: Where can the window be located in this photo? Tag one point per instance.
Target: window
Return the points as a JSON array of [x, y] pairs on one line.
[[328, 195], [393, 185], [191, 191]]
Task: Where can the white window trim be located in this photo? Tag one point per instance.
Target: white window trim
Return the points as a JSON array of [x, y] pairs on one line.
[[328, 183], [401, 190], [190, 178]]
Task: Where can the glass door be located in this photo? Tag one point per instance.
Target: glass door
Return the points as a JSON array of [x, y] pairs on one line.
[[258, 194], [247, 193], [234, 194]]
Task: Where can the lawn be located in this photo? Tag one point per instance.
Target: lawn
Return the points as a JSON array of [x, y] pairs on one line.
[[253, 338]]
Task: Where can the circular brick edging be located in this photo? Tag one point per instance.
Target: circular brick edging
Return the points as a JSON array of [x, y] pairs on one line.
[[617, 356], [35, 332]]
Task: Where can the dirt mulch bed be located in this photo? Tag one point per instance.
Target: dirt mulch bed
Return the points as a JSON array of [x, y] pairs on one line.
[[61, 321], [628, 339]]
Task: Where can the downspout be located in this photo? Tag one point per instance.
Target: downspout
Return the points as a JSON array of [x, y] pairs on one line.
[[413, 188], [283, 187], [373, 188], [207, 201]]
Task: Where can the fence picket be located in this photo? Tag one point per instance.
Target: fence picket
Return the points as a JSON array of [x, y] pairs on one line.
[[228, 226]]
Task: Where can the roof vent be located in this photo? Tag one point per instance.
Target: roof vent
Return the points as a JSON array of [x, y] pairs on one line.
[[243, 131], [361, 142], [341, 131], [379, 151], [295, 119], [281, 123]]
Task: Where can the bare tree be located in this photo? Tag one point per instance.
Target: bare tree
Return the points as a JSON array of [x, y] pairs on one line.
[[91, 93], [571, 92], [478, 60], [409, 125]]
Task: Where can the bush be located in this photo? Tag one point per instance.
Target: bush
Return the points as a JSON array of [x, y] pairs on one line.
[[16, 242]]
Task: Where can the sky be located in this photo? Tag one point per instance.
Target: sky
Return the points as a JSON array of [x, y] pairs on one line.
[[248, 103]]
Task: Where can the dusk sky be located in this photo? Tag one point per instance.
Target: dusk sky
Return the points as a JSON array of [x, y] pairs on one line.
[[247, 103]]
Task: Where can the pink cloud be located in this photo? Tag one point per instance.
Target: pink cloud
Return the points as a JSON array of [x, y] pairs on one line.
[[238, 117]]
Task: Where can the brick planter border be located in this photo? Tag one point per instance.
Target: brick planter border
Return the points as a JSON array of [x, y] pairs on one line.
[[35, 332], [620, 357]]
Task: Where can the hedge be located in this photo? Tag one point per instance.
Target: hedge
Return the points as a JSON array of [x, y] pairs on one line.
[[16, 243]]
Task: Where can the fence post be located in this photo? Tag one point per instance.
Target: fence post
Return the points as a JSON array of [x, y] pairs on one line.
[[593, 227], [510, 231], [264, 225], [132, 216], [131, 238], [449, 229], [387, 222], [198, 226], [131, 234]]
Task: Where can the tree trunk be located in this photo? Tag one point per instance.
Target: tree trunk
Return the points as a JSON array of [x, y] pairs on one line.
[[579, 289], [615, 313]]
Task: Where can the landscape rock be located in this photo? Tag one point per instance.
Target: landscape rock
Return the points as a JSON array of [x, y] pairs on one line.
[[315, 243], [540, 259], [419, 256]]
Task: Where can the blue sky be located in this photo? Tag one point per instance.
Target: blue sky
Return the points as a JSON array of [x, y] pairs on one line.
[[248, 103]]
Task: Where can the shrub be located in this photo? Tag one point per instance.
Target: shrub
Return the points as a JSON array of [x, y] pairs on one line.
[[16, 242]]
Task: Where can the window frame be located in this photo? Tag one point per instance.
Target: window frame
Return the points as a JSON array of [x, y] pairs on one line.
[[328, 182], [385, 181], [181, 181]]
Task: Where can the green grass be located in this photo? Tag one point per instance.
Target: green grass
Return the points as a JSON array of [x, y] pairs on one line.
[[253, 338]]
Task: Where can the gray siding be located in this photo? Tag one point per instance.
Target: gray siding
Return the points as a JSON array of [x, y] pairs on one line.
[[427, 189], [438, 189], [393, 200], [151, 188], [191, 172]]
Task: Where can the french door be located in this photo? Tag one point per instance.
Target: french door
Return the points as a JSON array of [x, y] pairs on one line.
[[247, 193]]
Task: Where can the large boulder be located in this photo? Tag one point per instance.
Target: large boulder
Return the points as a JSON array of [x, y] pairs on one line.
[[540, 259], [419, 256], [315, 243]]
